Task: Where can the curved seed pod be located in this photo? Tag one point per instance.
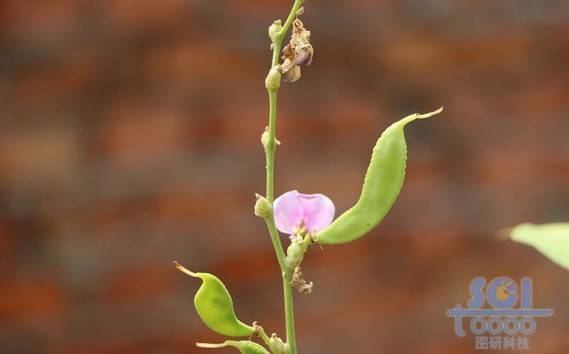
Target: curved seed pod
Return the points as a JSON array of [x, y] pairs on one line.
[[382, 183], [552, 240], [215, 307], [244, 346]]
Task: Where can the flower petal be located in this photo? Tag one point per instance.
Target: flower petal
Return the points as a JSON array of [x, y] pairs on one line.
[[318, 211], [315, 211], [288, 211]]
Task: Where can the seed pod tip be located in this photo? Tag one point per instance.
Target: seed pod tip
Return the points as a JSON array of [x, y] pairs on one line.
[[184, 270], [430, 114]]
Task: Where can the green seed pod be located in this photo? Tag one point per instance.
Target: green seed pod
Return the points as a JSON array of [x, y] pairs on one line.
[[244, 346], [294, 254], [382, 184], [215, 307], [552, 240]]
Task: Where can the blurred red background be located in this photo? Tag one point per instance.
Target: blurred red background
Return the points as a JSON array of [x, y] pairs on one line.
[[129, 138]]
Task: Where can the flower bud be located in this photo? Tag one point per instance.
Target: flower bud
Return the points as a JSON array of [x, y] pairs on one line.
[[275, 30], [263, 207], [273, 80], [277, 345], [265, 138]]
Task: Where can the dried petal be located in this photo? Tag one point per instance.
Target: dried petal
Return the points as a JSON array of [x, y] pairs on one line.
[[292, 75], [297, 52]]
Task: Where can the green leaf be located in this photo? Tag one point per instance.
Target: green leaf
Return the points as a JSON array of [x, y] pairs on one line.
[[552, 240], [215, 306]]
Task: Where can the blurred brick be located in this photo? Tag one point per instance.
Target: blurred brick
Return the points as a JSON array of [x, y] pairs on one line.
[[39, 19], [135, 133], [128, 15], [37, 154], [128, 286], [31, 298]]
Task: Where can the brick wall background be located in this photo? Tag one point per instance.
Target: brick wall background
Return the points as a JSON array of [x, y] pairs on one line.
[[129, 137]]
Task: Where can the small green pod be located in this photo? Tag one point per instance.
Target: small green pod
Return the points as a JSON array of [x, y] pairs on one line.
[[294, 254], [215, 306], [382, 184], [244, 346], [552, 240]]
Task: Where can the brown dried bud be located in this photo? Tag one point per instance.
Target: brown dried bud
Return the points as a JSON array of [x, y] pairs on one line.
[[299, 283]]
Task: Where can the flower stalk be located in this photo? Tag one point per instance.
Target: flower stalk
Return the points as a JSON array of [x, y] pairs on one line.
[[277, 33]]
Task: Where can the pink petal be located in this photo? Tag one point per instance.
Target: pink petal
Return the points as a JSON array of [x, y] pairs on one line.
[[318, 211], [291, 209], [288, 211]]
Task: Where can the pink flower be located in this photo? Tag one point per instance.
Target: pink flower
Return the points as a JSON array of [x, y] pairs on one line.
[[293, 209]]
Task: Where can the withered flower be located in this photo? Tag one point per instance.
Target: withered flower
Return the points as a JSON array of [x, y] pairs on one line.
[[296, 53]]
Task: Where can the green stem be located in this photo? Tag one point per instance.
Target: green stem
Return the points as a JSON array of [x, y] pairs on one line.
[[289, 312], [213, 346], [270, 145], [261, 333], [277, 244], [281, 257]]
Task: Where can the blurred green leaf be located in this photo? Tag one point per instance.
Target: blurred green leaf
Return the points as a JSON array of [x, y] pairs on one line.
[[552, 240]]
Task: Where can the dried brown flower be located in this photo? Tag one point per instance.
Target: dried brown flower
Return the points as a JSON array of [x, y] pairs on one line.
[[297, 52]]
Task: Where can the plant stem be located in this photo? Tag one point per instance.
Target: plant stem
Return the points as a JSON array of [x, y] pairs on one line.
[[270, 145], [261, 333], [289, 312], [281, 257]]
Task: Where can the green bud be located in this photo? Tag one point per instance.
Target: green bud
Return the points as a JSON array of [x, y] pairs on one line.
[[273, 80], [263, 207], [265, 139], [275, 30], [277, 345]]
